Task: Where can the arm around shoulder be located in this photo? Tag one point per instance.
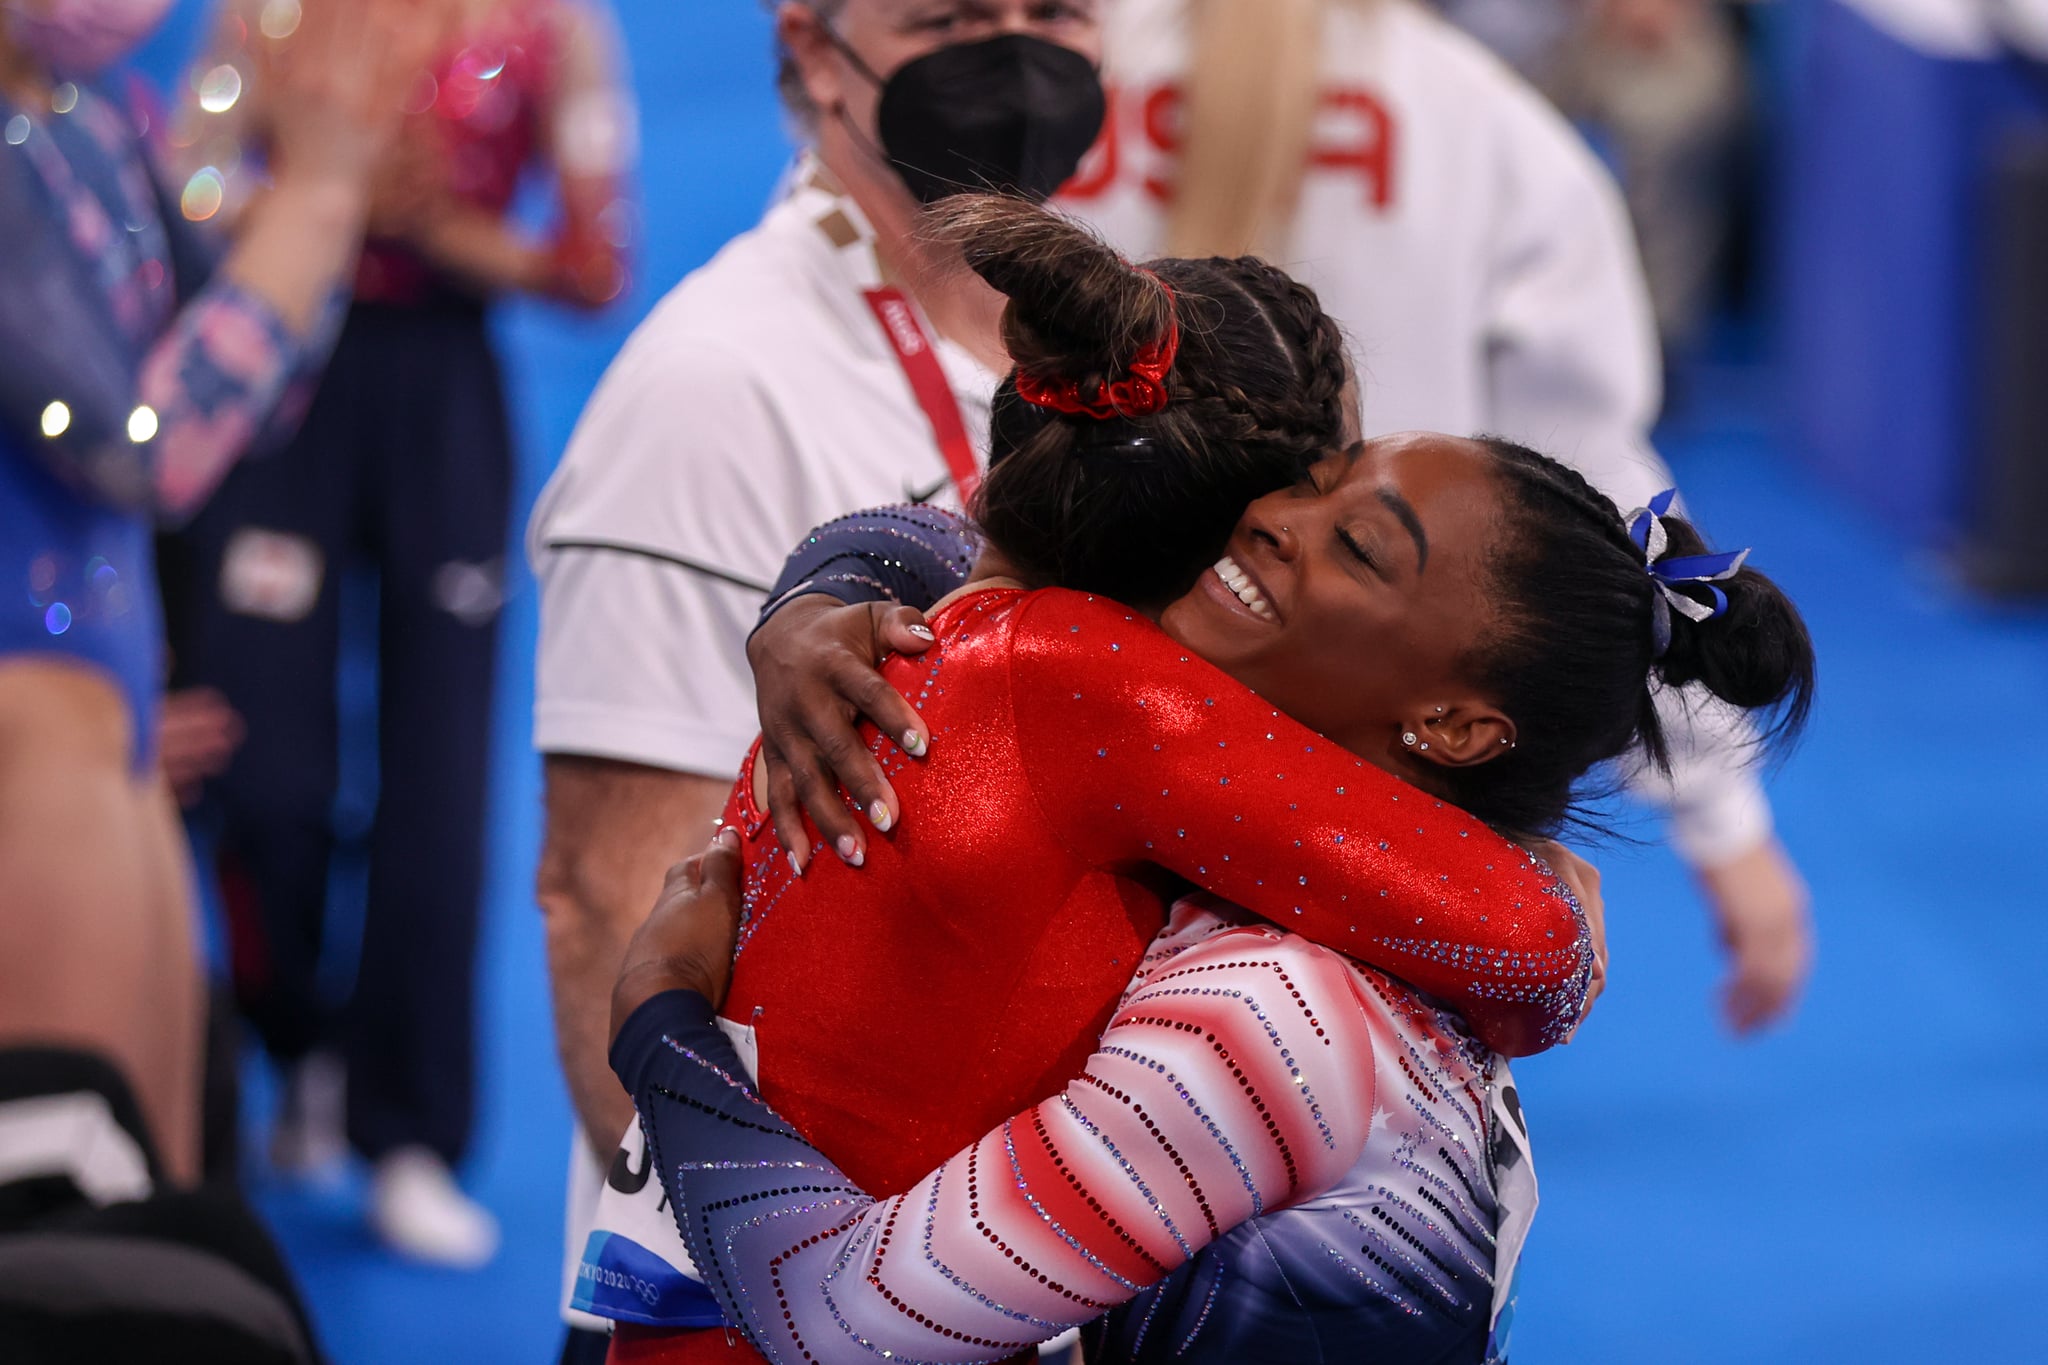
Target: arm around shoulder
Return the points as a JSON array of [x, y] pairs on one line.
[[1237, 1079], [1143, 752]]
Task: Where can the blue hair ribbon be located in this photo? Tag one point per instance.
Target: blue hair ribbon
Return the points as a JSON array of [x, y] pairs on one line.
[[1695, 572]]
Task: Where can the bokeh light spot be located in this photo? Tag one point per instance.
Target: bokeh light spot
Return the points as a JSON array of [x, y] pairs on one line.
[[56, 420], [203, 194], [220, 88], [57, 619], [142, 424], [425, 91], [280, 19]]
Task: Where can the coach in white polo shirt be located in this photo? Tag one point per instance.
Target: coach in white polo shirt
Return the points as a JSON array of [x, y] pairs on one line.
[[825, 361]]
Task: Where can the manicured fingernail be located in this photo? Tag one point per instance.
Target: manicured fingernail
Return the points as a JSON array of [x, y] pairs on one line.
[[795, 865], [913, 744], [921, 632], [878, 815], [849, 849], [728, 836]]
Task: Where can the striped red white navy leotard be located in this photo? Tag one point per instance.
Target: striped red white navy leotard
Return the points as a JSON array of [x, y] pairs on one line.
[[1273, 1155]]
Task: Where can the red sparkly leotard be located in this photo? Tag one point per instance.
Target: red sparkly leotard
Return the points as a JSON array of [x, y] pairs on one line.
[[904, 1008]]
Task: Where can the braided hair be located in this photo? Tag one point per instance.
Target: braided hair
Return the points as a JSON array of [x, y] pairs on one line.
[[1135, 508], [1571, 658]]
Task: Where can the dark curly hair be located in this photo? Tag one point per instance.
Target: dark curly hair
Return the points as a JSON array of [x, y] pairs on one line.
[[1571, 659], [1136, 508]]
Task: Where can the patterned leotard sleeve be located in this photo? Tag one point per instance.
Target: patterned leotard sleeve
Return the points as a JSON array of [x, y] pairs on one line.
[[910, 554], [1142, 753], [1235, 1079], [151, 426]]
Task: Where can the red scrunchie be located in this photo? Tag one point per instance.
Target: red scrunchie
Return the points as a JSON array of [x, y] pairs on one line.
[[1140, 393]]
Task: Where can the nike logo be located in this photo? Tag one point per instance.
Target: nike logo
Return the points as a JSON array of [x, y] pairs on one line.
[[913, 493], [624, 1178]]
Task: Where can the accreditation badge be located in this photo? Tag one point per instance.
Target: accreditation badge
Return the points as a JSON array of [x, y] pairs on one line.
[[635, 1266], [1514, 1178]]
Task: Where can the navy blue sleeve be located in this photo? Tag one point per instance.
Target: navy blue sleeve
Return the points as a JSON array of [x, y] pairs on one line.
[[728, 1162], [646, 1055], [913, 555]]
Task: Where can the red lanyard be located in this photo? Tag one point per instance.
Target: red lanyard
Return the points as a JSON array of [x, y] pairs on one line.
[[920, 361]]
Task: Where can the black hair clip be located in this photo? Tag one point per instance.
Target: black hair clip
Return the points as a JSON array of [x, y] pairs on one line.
[[1125, 445]]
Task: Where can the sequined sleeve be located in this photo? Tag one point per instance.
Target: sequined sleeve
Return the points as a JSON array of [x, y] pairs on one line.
[[1235, 1079], [152, 432], [228, 375], [1141, 752], [909, 554]]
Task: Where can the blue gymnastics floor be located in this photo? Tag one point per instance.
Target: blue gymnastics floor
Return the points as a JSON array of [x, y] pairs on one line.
[[1869, 1185]]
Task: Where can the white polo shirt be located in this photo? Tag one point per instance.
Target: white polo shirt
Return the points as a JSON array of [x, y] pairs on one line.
[[1479, 257], [760, 398]]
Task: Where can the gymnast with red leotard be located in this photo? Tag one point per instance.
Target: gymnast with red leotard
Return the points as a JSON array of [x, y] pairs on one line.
[[1076, 752]]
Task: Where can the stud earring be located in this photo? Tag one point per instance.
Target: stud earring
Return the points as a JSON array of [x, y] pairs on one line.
[[1408, 738], [1425, 747]]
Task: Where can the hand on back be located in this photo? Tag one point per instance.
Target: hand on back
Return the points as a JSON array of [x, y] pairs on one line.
[[338, 83], [687, 943], [816, 678]]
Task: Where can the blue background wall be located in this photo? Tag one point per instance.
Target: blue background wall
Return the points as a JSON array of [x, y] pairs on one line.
[[1885, 157]]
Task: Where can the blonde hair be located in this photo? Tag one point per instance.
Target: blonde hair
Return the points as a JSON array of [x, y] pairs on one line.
[[1252, 90]]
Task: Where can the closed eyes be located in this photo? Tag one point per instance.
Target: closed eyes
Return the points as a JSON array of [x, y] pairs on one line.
[[1360, 552]]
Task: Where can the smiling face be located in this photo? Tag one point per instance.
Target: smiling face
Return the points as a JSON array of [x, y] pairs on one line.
[[1353, 601]]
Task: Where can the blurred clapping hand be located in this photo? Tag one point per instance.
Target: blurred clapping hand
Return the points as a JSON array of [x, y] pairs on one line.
[[339, 79], [197, 735]]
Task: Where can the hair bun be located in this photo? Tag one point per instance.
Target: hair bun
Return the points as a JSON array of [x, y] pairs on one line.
[[1078, 310], [1755, 655], [1120, 460]]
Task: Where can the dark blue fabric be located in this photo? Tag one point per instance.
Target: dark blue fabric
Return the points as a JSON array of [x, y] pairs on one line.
[[77, 580], [909, 554], [1272, 1291], [403, 467], [645, 1064], [1884, 234], [76, 574], [57, 328], [744, 1163]]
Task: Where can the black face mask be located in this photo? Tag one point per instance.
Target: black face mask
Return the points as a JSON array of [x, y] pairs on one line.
[[1013, 114]]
